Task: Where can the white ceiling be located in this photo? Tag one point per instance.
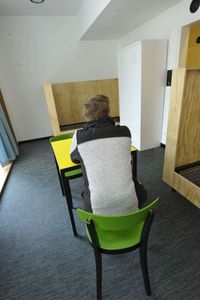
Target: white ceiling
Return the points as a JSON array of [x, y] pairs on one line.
[[117, 19], [122, 16], [47, 8]]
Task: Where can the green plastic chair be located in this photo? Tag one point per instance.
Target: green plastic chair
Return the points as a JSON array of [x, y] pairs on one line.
[[119, 234]]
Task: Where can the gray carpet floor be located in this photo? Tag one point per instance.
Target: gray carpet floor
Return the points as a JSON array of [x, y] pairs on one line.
[[40, 259]]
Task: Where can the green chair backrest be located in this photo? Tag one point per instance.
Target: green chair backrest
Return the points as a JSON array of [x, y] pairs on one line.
[[60, 137], [127, 226]]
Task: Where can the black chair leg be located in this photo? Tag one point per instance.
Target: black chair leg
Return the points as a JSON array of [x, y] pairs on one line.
[[98, 260], [144, 265]]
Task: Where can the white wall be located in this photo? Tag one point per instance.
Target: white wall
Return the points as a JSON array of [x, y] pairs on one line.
[[165, 26], [36, 50]]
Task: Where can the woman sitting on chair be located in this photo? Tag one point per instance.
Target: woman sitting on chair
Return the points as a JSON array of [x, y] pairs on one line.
[[104, 151]]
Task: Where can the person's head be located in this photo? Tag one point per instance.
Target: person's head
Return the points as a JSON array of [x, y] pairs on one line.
[[95, 108]]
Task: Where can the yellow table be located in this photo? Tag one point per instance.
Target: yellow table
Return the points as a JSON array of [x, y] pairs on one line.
[[68, 170], [61, 150]]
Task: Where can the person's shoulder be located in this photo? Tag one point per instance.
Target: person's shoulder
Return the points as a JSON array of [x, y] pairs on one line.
[[79, 132], [124, 130], [83, 134]]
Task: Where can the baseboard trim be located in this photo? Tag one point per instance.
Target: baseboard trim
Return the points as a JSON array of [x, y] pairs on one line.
[[34, 140]]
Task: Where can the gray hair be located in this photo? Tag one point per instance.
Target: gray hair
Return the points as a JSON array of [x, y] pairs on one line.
[[95, 108]]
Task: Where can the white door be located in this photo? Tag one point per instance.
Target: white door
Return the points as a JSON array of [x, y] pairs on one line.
[[129, 75]]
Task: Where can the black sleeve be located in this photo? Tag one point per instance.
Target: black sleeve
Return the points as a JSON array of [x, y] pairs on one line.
[[75, 157], [74, 154]]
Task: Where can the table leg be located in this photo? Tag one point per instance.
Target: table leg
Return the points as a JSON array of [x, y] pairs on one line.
[[68, 196], [60, 179]]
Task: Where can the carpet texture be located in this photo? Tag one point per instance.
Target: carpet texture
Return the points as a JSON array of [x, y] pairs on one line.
[[41, 260]]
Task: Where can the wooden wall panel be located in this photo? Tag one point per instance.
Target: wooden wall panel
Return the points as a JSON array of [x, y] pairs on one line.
[[187, 189], [178, 81], [183, 132], [70, 97], [194, 33], [193, 53], [193, 58], [188, 144], [51, 108], [189, 48]]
